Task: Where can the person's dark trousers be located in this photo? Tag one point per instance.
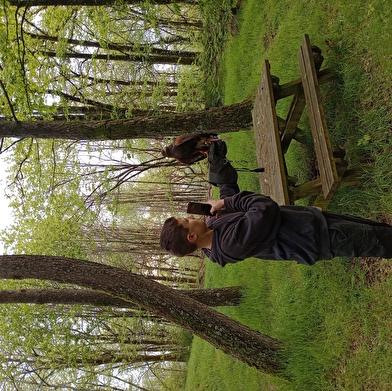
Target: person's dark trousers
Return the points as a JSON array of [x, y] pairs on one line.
[[228, 189], [356, 237]]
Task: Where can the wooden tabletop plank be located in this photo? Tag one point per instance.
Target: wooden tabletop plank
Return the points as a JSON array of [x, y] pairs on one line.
[[322, 143], [273, 181]]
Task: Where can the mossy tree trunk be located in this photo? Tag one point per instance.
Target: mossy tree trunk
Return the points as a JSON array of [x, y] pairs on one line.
[[247, 345], [225, 296], [223, 119]]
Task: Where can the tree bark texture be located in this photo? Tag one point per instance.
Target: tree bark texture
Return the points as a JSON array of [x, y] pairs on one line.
[[129, 47], [226, 296], [173, 58], [247, 345], [43, 3], [232, 118]]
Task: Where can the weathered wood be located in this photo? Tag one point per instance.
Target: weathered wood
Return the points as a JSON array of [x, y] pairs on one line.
[[269, 127], [297, 106], [273, 181], [294, 115], [312, 188], [322, 201], [348, 177], [293, 87], [322, 144], [298, 135], [306, 189]]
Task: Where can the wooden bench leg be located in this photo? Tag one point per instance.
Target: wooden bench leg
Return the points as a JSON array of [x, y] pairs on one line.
[[353, 175], [305, 190], [298, 135], [291, 88], [294, 115], [348, 177], [341, 168]]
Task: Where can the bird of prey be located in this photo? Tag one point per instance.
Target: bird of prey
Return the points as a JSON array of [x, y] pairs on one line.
[[190, 148]]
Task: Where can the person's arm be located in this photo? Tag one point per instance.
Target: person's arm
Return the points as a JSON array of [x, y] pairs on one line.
[[225, 190], [259, 220], [228, 189]]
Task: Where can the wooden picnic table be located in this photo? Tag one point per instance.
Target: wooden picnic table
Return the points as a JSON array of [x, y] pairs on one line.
[[273, 134]]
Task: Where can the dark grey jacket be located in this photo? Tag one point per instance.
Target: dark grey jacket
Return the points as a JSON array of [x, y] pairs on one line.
[[252, 225]]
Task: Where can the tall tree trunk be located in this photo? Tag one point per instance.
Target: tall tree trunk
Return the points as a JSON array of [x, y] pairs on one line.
[[255, 349], [226, 296], [175, 58], [232, 118], [43, 3], [128, 48]]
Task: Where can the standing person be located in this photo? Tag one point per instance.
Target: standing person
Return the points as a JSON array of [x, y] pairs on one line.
[[252, 225], [249, 224]]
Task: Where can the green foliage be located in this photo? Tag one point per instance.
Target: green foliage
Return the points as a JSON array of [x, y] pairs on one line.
[[63, 193], [190, 95], [21, 92], [332, 318], [65, 345], [47, 209], [333, 322], [216, 17], [53, 53]]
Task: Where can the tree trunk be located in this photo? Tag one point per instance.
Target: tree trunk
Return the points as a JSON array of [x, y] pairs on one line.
[[44, 3], [129, 48], [186, 58], [232, 118], [247, 345], [226, 296]]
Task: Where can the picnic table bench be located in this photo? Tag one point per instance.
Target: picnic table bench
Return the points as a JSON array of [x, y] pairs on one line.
[[273, 134]]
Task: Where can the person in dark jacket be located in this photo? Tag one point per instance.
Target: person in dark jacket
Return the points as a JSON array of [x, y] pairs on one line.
[[249, 224]]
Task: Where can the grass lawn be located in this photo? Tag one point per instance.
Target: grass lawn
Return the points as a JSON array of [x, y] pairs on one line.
[[333, 318]]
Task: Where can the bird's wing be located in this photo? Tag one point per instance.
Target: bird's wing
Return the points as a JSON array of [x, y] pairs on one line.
[[186, 138], [196, 157]]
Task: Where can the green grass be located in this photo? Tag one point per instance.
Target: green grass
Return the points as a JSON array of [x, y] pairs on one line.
[[333, 318]]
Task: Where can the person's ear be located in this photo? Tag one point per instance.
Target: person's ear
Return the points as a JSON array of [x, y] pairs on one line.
[[191, 237]]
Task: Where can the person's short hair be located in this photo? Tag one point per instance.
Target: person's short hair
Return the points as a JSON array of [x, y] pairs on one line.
[[174, 238]]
